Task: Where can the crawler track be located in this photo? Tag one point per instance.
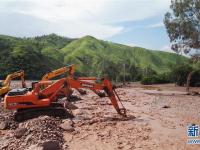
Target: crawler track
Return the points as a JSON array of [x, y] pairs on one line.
[[55, 110]]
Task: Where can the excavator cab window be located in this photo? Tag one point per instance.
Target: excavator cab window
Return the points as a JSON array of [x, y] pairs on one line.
[[20, 91]]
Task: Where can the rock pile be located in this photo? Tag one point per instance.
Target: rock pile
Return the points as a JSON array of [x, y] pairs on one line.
[[7, 121], [39, 133]]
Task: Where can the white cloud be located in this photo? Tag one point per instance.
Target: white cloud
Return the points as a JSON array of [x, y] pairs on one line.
[[131, 44], [167, 48], [156, 25], [79, 29], [82, 17]]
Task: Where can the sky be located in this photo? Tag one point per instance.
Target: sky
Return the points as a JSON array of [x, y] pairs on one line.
[[130, 22]]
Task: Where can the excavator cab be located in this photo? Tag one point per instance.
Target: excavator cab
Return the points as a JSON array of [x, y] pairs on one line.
[[20, 91]]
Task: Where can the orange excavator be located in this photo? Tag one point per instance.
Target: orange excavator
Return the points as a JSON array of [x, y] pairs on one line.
[[43, 99]]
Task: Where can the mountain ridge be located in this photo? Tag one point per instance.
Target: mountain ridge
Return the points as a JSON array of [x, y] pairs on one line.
[[93, 57]]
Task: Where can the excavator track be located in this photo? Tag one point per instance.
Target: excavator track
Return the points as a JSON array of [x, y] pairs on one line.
[[54, 110]]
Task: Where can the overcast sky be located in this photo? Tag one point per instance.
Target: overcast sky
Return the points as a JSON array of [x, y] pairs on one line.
[[131, 22]]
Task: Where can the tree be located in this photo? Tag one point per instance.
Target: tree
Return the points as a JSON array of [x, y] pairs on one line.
[[180, 74], [194, 59], [183, 25]]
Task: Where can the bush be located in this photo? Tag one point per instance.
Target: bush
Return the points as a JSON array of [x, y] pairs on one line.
[[156, 79], [195, 80], [147, 80]]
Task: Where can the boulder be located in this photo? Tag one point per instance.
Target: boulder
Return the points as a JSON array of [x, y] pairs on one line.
[[3, 125], [70, 106], [4, 143], [35, 147], [20, 132], [67, 125], [78, 112], [51, 145]]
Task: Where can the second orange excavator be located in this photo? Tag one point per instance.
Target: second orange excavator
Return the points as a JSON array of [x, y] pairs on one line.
[[70, 69]]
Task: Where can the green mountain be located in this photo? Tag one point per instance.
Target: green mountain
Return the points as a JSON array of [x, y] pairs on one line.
[[34, 55], [93, 57], [97, 57]]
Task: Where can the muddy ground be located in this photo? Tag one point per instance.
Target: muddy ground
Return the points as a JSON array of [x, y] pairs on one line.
[[155, 121]]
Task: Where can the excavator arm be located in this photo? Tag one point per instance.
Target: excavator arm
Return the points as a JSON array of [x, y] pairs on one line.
[[64, 85], [70, 69], [5, 85], [105, 85], [14, 75], [58, 72]]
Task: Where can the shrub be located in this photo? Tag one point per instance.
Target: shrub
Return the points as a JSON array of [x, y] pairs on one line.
[[147, 80], [156, 79], [195, 80]]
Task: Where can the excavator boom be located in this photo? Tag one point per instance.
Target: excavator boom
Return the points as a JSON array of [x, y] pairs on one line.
[[70, 69], [105, 85], [5, 85], [58, 72]]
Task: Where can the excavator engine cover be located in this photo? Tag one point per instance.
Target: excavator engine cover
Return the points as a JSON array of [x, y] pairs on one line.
[[20, 91]]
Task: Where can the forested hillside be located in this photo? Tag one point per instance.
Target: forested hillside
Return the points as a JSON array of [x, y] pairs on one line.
[[93, 57], [34, 55]]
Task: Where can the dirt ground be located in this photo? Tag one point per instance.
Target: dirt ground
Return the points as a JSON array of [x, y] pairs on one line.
[[154, 121]]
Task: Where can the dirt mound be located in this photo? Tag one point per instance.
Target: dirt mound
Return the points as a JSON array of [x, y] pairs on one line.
[[39, 132]]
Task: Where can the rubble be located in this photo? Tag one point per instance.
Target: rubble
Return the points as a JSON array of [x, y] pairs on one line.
[[152, 122], [35, 147], [36, 131]]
